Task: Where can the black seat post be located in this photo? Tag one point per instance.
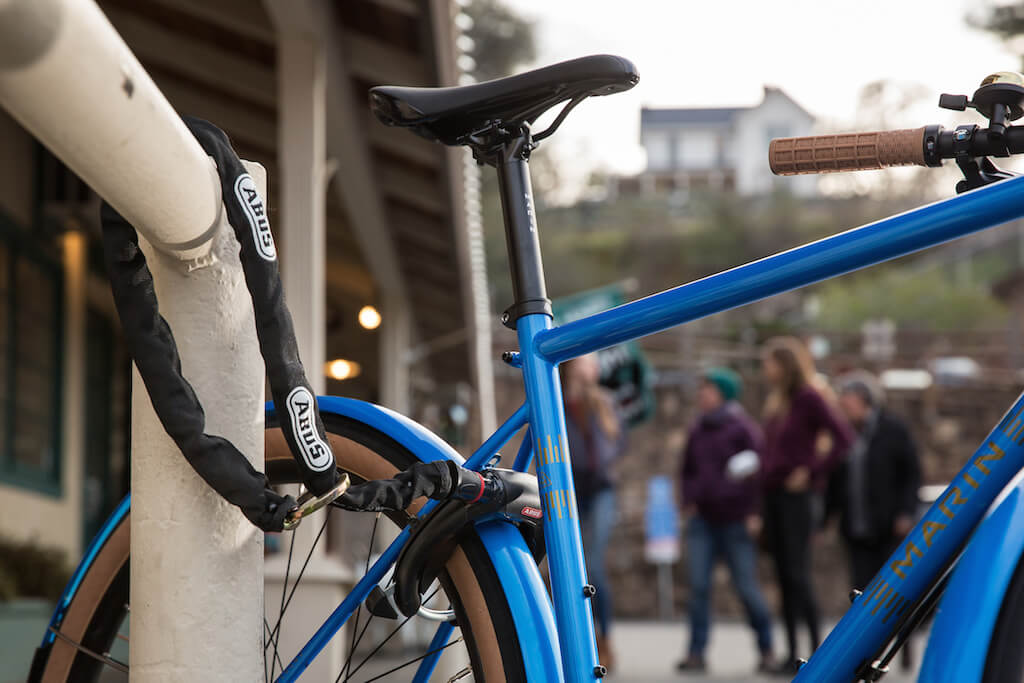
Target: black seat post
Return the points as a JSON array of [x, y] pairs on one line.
[[521, 233]]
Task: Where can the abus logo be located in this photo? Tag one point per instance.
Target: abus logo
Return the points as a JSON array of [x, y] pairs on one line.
[[256, 212], [532, 512], [315, 452]]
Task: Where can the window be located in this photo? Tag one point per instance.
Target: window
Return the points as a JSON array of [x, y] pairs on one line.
[[700, 151], [30, 357], [659, 151]]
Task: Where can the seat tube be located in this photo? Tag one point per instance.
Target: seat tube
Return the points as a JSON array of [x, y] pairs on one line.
[[558, 499], [530, 314]]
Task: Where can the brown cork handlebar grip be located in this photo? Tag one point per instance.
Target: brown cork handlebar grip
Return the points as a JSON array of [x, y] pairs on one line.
[[846, 152]]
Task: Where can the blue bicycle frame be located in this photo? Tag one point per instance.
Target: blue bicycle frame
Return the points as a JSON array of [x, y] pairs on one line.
[[928, 549], [559, 634]]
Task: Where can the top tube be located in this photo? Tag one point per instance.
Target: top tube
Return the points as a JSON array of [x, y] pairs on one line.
[[847, 251]]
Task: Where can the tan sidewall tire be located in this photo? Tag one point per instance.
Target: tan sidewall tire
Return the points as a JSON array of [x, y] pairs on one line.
[[353, 457]]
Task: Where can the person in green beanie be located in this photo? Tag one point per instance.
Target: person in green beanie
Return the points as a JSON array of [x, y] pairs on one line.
[[720, 486], [728, 383]]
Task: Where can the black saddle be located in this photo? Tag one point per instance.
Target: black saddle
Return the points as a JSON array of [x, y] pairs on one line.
[[451, 115]]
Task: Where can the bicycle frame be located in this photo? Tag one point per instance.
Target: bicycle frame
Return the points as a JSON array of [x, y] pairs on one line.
[[929, 548], [559, 635], [936, 539]]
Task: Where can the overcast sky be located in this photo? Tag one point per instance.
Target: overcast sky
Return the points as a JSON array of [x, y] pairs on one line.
[[721, 53]]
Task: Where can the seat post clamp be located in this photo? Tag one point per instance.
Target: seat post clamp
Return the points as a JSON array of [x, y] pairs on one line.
[[526, 307]]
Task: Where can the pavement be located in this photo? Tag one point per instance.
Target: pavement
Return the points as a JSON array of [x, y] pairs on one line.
[[647, 652]]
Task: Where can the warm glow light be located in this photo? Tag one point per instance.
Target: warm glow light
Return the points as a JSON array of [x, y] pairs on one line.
[[369, 317], [340, 368]]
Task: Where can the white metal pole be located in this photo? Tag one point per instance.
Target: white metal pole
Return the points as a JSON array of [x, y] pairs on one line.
[[69, 79], [197, 564]]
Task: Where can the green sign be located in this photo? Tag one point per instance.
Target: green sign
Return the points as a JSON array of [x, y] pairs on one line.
[[624, 370]]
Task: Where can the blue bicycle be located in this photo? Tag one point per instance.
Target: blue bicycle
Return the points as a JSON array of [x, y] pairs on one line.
[[475, 557]]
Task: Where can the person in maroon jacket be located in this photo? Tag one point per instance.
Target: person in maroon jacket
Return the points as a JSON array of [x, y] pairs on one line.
[[797, 420], [720, 498]]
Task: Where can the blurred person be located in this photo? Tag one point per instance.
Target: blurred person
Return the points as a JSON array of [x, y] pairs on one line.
[[874, 491], [721, 488], [596, 437], [795, 417]]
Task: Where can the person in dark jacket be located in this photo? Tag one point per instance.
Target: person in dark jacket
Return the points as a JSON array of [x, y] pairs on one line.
[[797, 419], [874, 491], [597, 437], [720, 486]]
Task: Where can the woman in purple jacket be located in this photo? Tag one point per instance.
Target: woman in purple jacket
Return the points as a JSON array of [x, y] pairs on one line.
[[720, 499], [795, 419]]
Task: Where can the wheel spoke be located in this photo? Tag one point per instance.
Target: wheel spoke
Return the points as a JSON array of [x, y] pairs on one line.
[[276, 658], [355, 641], [391, 635], [104, 658], [273, 634], [277, 628], [413, 661]]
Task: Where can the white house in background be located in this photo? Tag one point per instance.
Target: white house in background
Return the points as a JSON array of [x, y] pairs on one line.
[[721, 148]]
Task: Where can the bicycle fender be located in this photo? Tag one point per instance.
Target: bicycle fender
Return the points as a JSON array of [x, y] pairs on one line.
[[967, 614], [525, 590]]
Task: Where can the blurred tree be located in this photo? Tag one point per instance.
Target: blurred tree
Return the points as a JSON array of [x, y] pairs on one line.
[[503, 41], [887, 104], [884, 102], [929, 300], [1005, 20]]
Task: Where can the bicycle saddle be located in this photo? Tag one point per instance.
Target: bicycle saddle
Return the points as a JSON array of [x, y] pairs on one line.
[[450, 115]]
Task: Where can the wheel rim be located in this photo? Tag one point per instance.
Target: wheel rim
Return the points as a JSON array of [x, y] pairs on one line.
[[365, 658]]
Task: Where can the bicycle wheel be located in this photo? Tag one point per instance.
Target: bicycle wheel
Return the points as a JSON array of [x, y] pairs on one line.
[[96, 619], [1005, 660]]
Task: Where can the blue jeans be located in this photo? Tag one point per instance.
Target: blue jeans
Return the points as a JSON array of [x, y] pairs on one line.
[[705, 543], [597, 519]]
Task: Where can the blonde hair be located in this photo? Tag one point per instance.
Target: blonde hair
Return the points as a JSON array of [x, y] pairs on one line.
[[798, 371], [596, 402]]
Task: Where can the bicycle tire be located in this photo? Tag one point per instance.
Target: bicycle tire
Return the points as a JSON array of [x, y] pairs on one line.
[[1005, 660], [470, 579]]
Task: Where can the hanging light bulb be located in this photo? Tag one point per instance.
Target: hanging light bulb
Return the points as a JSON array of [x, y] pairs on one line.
[[340, 369], [369, 318]]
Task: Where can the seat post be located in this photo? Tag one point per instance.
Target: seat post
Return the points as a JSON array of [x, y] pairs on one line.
[[521, 235]]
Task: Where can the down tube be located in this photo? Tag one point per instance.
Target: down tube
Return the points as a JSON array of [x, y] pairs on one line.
[[558, 500], [850, 250], [872, 619]]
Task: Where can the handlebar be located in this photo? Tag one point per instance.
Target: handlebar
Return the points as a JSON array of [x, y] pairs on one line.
[[925, 146], [846, 152]]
